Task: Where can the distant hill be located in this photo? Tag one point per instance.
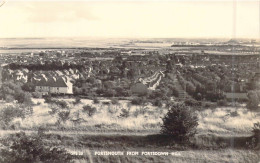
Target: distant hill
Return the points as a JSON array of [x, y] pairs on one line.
[[232, 41]]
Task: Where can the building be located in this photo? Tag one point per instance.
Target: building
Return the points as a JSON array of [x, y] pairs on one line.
[[61, 85]]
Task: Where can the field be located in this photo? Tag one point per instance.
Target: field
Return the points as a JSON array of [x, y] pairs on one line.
[[219, 120], [223, 132]]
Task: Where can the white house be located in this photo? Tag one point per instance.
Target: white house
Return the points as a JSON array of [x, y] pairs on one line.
[[61, 85]]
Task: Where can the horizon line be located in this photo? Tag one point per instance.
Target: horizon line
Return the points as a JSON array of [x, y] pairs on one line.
[[108, 37]]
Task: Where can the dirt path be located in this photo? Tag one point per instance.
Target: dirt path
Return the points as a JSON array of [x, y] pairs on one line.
[[104, 133]]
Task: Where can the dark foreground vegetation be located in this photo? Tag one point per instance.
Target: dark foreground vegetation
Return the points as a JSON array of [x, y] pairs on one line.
[[89, 144]]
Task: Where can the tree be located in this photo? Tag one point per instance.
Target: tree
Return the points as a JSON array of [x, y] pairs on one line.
[[256, 133], [28, 87], [64, 115], [22, 148], [90, 110], [180, 122], [10, 90], [169, 66], [8, 113]]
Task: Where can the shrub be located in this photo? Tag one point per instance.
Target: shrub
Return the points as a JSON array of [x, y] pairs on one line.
[[141, 111], [22, 148], [90, 110], [62, 104], [112, 110], [37, 95], [41, 130], [255, 139], [10, 90], [221, 102], [8, 113], [256, 130], [64, 115], [158, 102], [175, 92], [125, 113], [23, 97], [95, 101], [114, 101], [54, 109], [209, 105], [77, 101], [234, 114], [191, 102], [9, 98], [256, 133], [138, 101], [48, 99], [180, 122], [106, 103]]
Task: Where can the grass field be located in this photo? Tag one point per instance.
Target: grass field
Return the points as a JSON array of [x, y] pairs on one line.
[[223, 133], [220, 120]]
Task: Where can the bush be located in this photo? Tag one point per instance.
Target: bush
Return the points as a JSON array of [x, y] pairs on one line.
[[222, 103], [158, 102], [9, 98], [77, 101], [141, 111], [256, 130], [138, 101], [54, 109], [112, 110], [23, 97], [8, 113], [22, 148], [234, 114], [254, 142], [191, 102], [256, 133], [48, 99], [62, 104], [180, 122], [114, 101], [95, 101], [106, 103], [125, 113], [10, 90], [37, 95], [64, 115], [175, 92], [90, 110]]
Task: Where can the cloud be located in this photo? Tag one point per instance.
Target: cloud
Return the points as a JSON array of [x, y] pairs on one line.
[[49, 12]]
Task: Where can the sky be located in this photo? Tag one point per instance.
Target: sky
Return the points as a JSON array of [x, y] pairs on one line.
[[129, 19]]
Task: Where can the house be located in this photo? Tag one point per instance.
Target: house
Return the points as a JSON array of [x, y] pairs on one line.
[[60, 85], [139, 88]]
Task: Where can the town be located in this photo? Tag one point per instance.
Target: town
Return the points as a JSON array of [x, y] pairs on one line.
[[199, 75], [63, 93]]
